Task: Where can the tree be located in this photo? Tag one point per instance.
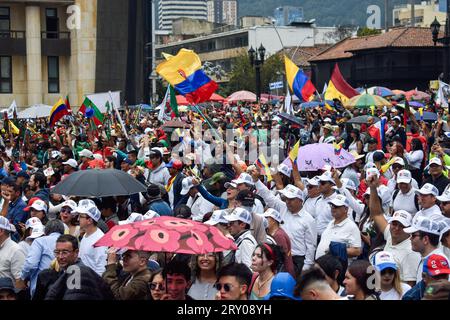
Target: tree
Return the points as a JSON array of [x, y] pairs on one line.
[[342, 32], [364, 32], [242, 75]]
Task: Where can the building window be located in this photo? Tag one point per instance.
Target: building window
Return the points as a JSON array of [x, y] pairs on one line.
[[5, 22], [53, 75], [52, 23], [5, 75]]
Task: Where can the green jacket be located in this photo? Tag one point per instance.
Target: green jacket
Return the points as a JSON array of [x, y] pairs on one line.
[[136, 289]]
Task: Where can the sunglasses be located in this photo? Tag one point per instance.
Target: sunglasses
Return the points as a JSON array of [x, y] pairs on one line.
[[66, 210], [157, 286], [226, 287]]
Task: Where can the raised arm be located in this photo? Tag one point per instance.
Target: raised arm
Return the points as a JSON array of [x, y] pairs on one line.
[[376, 212]]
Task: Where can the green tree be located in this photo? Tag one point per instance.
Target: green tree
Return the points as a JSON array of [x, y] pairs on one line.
[[364, 32]]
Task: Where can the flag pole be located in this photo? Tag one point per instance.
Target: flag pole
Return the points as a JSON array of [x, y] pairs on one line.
[[118, 116]]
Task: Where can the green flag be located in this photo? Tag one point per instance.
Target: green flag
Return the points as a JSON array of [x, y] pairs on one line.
[[173, 101], [98, 116]]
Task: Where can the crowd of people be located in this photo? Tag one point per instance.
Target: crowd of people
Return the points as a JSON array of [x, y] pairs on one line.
[[378, 229]]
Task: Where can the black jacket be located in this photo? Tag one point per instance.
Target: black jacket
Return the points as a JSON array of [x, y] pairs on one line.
[[440, 183]]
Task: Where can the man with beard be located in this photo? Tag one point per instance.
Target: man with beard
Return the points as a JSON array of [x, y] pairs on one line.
[[37, 185], [70, 166]]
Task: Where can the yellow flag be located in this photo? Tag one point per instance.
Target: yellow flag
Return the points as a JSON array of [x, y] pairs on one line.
[[263, 161], [167, 56], [293, 154], [13, 128]]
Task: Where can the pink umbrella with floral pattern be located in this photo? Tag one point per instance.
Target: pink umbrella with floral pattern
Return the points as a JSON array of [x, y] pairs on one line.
[[167, 234]]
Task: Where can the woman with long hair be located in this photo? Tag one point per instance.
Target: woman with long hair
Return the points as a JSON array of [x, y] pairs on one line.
[[266, 260], [356, 281], [390, 284], [157, 285], [334, 271], [415, 160], [204, 269], [355, 142]]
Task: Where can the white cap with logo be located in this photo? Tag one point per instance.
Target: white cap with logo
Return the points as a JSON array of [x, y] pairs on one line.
[[133, 217], [239, 214], [284, 169], [33, 222], [404, 176], [402, 216], [445, 197], [88, 207], [326, 177], [428, 188], [436, 161], [339, 200], [274, 214], [424, 224], [186, 184], [244, 178], [217, 217], [291, 192]]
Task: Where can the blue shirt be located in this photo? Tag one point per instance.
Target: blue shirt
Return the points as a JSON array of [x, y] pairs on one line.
[[16, 213], [416, 292], [39, 258], [161, 207]]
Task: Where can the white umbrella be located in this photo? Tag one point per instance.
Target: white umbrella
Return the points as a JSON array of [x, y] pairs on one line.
[[35, 111]]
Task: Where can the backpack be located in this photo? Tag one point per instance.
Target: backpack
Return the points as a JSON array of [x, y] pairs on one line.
[[231, 258], [416, 198]]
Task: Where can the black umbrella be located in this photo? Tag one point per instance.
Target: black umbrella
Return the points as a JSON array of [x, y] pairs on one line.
[[362, 119], [99, 183], [291, 118]]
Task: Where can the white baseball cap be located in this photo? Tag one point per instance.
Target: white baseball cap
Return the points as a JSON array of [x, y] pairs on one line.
[[39, 205], [5, 225], [56, 154], [444, 226], [339, 201], [33, 222], [284, 169], [86, 153], [435, 161], [274, 214], [186, 184], [239, 214], [69, 203], [383, 260], [244, 178], [313, 182], [89, 209], [326, 177], [71, 162], [291, 192], [37, 231], [404, 176], [428, 188], [217, 217], [402, 216], [232, 184], [445, 197], [424, 224], [150, 214], [133, 217], [399, 161], [372, 172]]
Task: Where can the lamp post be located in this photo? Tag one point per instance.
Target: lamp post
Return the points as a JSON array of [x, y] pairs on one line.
[[445, 40], [257, 60]]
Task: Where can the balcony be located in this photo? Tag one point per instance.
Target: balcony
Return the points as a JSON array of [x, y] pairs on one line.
[[12, 43], [55, 43]]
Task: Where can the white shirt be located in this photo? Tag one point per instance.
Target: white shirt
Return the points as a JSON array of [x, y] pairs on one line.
[[345, 232], [199, 207], [393, 294], [300, 226], [160, 175], [414, 158], [432, 213], [404, 201], [323, 213], [246, 246], [407, 259], [310, 204], [392, 184], [355, 205], [93, 257], [12, 258]]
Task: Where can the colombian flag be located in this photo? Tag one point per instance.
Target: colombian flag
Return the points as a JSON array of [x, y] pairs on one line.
[[261, 162], [338, 88], [299, 82], [58, 111], [184, 72]]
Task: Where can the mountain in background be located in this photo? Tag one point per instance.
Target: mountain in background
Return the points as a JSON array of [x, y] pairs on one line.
[[326, 12]]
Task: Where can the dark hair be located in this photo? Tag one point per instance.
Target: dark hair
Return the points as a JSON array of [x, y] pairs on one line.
[[177, 267], [246, 197], [12, 183], [69, 238], [416, 144], [308, 277], [359, 269], [108, 203], [40, 178], [155, 273], [433, 238], [194, 263], [330, 264], [54, 226], [239, 270], [182, 211], [111, 159], [274, 253]]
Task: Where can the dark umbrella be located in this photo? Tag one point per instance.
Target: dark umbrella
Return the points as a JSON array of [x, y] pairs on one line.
[[99, 183], [362, 119], [427, 116], [291, 118]]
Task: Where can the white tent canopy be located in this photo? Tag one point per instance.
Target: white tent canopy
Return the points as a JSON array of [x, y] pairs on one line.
[[35, 111]]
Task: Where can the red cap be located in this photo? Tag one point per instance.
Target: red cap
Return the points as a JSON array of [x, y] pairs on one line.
[[30, 203], [435, 265]]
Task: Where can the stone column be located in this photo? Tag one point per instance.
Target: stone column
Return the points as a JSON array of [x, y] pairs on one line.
[[34, 56]]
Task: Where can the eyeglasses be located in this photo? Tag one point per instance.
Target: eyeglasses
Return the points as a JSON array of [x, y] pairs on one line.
[[63, 253], [66, 210], [226, 287], [157, 286]]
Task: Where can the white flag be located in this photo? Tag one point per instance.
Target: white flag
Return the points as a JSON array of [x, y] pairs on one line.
[[162, 106], [288, 103], [325, 87], [11, 109], [443, 94]]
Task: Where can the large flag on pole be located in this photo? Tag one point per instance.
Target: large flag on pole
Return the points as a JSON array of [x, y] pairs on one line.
[[338, 88], [298, 81], [288, 103], [58, 111], [184, 72], [98, 116], [173, 102], [162, 106]]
